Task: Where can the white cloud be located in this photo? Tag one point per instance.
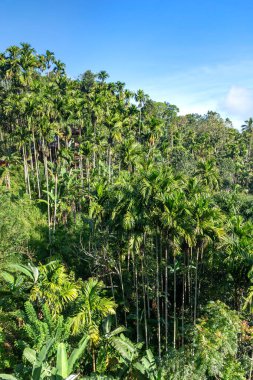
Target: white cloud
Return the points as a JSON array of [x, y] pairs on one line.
[[204, 88], [239, 102]]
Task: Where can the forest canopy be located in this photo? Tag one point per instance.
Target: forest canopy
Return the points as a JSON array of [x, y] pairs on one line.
[[126, 231]]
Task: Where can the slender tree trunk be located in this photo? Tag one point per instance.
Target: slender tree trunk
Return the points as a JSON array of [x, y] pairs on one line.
[[140, 124], [50, 155], [47, 185], [113, 296], [137, 303], [36, 165], [175, 303], [93, 360], [94, 159], [166, 299], [190, 282], [26, 172], [28, 180], [80, 159], [81, 169], [201, 270], [123, 291], [196, 289], [58, 142], [128, 259], [183, 298], [162, 304], [88, 173], [109, 164], [144, 304], [148, 298], [158, 301], [32, 166], [55, 197]]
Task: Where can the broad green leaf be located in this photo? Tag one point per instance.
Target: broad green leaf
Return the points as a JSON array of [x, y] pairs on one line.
[[37, 368], [21, 268], [62, 361], [30, 355], [8, 277], [77, 352]]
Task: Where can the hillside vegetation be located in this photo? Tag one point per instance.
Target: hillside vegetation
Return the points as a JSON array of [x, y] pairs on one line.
[[126, 231]]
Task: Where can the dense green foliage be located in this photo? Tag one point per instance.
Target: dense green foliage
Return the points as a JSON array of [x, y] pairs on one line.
[[126, 230]]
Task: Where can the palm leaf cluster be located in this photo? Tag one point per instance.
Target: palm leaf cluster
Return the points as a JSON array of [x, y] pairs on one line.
[[124, 222]]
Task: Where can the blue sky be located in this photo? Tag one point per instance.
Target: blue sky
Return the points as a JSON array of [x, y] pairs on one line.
[[196, 54]]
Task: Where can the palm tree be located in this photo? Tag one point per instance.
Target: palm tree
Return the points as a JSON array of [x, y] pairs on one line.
[[207, 228], [140, 98], [55, 287], [248, 129], [208, 174], [14, 70], [174, 211], [102, 76], [92, 308]]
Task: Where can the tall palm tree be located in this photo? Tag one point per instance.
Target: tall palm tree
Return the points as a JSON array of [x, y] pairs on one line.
[[102, 76], [207, 227], [93, 306], [172, 217], [248, 129], [140, 98]]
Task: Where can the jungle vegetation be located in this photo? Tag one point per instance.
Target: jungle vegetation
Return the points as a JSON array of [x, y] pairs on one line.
[[126, 231]]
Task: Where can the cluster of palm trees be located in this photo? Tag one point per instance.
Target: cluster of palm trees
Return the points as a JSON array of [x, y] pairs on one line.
[[63, 310], [60, 309], [154, 204], [167, 233]]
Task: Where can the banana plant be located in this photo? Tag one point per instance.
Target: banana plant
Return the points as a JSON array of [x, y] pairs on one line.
[[19, 276], [38, 361], [106, 351], [64, 365], [128, 354], [148, 367]]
